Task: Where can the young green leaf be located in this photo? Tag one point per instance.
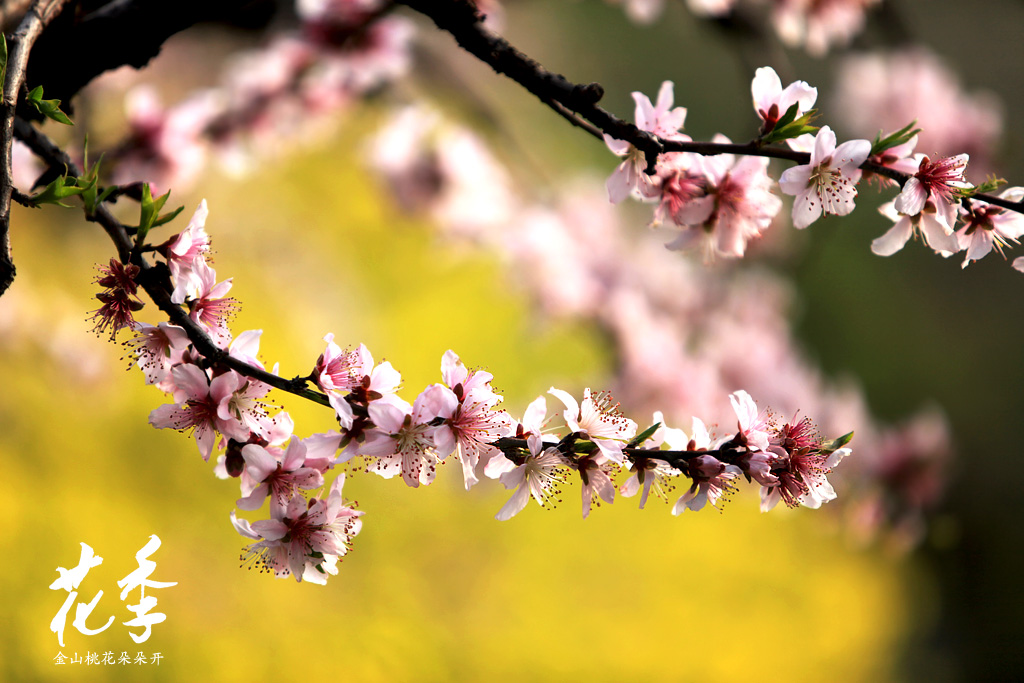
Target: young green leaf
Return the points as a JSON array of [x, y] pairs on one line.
[[643, 436], [55, 192], [900, 137], [789, 126], [835, 444], [991, 184], [48, 108], [3, 58]]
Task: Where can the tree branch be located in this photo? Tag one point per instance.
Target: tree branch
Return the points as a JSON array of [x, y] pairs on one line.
[[125, 32], [36, 19], [464, 22]]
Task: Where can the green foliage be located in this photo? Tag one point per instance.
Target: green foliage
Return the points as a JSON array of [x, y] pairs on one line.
[[56, 191], [835, 444], [150, 213], [48, 108], [894, 139], [3, 58], [991, 184], [643, 436], [92, 197], [790, 126]]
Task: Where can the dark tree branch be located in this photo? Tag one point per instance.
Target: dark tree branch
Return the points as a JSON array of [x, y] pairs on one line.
[[19, 47], [464, 22], [124, 32]]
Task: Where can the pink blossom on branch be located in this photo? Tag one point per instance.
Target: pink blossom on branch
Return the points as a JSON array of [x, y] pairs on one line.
[[938, 181], [307, 540], [539, 476], [630, 177], [925, 224], [987, 227], [828, 183], [730, 205], [473, 423], [599, 419]]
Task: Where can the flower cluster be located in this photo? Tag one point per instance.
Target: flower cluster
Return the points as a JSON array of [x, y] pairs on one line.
[[721, 204], [815, 25], [119, 298], [345, 50], [310, 527]]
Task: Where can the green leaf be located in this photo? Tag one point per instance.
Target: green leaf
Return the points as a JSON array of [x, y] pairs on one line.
[[3, 58], [835, 444], [48, 108], [900, 137], [56, 191], [150, 212], [89, 182], [643, 436], [790, 126], [991, 184]]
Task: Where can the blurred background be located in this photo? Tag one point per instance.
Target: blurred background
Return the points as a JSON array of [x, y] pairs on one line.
[[436, 589]]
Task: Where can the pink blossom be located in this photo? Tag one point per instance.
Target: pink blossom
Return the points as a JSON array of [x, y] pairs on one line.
[[534, 421], [753, 424], [630, 177], [899, 158], [354, 371], [878, 90], [195, 409], [712, 481], [827, 183], [119, 298], [183, 251], [462, 381], [742, 205], [817, 25], [469, 428], [711, 8], [650, 472], [938, 182], [925, 224], [597, 485], [597, 419], [403, 441], [800, 468], [158, 349], [208, 305], [166, 147], [684, 193], [641, 11], [279, 474], [987, 226], [307, 541], [538, 475], [240, 412]]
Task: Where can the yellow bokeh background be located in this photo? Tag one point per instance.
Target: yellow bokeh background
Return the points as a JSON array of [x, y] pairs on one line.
[[435, 589]]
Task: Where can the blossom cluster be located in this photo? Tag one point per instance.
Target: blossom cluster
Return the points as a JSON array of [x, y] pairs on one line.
[[721, 204], [815, 25], [310, 526], [342, 52], [681, 334]]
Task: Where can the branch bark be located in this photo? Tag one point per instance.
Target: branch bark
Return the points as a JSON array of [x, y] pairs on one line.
[[19, 47]]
